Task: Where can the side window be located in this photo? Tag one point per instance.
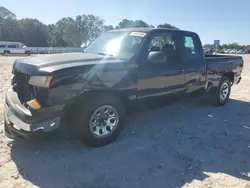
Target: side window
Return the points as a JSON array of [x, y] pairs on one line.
[[190, 49], [2, 45], [158, 42], [166, 44], [12, 46]]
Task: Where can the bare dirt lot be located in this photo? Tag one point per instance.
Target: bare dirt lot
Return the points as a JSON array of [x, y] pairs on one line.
[[189, 144]]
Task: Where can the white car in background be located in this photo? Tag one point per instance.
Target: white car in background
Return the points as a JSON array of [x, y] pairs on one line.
[[13, 48], [233, 51], [239, 51]]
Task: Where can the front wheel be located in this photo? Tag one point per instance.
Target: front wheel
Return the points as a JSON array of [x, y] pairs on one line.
[[98, 121], [27, 53], [223, 91]]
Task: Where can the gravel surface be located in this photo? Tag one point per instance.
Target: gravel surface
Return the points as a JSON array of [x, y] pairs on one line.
[[188, 144]]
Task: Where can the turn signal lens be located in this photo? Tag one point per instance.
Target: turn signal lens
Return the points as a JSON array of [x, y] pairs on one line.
[[34, 104], [48, 81]]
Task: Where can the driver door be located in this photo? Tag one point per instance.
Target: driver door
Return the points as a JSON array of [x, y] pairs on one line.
[[20, 49], [162, 79]]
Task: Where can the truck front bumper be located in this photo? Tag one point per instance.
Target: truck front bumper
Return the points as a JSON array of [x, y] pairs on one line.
[[20, 122]]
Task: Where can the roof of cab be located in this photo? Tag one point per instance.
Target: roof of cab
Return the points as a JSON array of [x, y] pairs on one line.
[[146, 30]]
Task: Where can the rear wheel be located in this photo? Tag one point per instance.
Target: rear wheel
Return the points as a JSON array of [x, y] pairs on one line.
[[6, 53], [223, 91], [98, 121]]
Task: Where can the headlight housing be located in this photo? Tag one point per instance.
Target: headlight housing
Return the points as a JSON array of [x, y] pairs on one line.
[[40, 81]]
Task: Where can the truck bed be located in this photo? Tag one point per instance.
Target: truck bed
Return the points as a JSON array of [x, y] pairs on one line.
[[223, 62], [208, 56]]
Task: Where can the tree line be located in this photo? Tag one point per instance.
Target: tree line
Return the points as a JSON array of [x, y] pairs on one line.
[[72, 32]]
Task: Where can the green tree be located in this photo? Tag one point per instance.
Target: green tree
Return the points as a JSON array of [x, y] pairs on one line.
[[208, 46], [234, 45], [10, 30], [131, 24], [90, 27], [56, 39], [125, 24], [82, 28], [6, 14], [8, 25], [140, 23], [166, 25], [33, 33], [64, 33], [108, 27]]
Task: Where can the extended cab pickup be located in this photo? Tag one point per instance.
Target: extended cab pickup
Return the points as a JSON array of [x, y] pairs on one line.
[[120, 70]]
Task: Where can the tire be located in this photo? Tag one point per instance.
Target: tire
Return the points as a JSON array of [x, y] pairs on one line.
[[84, 115], [223, 91], [6, 53], [28, 53]]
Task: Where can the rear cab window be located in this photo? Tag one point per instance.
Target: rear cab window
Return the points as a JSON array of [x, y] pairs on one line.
[[191, 47]]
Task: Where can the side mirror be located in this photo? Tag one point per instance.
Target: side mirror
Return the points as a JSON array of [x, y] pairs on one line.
[[157, 57]]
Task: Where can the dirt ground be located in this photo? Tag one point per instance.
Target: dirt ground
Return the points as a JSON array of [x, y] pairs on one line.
[[188, 144]]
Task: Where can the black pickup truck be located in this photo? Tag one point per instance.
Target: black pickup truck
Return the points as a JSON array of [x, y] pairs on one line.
[[119, 71]]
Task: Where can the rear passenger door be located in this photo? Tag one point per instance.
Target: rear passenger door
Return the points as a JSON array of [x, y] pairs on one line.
[[194, 64]]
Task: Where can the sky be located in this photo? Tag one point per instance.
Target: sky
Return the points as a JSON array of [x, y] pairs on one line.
[[224, 20]]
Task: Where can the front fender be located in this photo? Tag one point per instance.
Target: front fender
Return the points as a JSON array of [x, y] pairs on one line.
[[117, 78]]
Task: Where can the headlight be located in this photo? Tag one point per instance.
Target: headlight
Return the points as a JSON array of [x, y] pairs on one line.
[[40, 81]]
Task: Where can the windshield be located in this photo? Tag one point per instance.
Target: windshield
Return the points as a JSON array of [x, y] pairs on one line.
[[22, 46], [121, 45]]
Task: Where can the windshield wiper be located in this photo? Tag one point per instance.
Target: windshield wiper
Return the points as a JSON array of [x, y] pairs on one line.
[[104, 54]]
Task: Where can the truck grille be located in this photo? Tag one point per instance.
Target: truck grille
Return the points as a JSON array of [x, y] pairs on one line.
[[20, 83]]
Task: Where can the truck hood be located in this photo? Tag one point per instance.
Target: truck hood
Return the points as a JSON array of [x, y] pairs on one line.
[[44, 64]]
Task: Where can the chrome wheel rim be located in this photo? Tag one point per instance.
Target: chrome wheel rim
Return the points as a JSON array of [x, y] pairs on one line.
[[104, 121], [224, 90]]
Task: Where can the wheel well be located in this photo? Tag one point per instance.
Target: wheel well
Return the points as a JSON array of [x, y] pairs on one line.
[[89, 94], [230, 75], [6, 51]]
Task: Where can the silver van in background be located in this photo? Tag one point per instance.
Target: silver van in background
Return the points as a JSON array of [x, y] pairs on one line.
[[13, 48]]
